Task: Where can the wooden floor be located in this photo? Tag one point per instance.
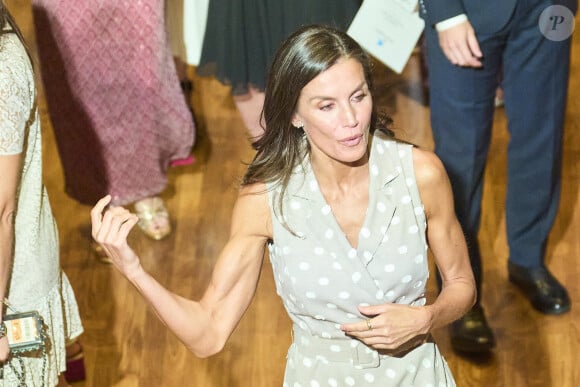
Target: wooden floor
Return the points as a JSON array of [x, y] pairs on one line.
[[126, 346]]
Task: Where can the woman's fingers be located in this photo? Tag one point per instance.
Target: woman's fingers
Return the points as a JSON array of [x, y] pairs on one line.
[[387, 326], [111, 225], [359, 327], [97, 214], [128, 225], [115, 225]]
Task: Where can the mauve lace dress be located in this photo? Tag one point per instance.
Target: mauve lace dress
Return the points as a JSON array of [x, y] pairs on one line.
[[113, 95]]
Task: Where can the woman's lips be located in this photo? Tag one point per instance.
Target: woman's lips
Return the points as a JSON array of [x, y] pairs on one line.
[[352, 141]]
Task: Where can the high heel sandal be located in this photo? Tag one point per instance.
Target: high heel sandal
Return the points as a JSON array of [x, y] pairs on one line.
[[75, 365], [181, 162], [153, 217]]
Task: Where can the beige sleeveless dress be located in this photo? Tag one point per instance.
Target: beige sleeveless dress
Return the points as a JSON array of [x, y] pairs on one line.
[[321, 278]]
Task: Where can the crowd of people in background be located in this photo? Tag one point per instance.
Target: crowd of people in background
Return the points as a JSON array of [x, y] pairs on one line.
[[119, 102]]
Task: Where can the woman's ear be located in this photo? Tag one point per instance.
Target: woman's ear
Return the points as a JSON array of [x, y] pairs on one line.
[[297, 122]]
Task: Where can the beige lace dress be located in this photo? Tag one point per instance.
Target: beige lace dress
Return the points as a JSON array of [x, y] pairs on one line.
[[37, 282]]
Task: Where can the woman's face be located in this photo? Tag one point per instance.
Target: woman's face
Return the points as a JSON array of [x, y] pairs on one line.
[[334, 110]]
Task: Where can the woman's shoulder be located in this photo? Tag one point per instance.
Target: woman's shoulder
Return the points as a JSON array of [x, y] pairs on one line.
[[424, 164], [252, 209], [429, 169], [259, 188], [424, 161], [16, 94], [254, 196], [12, 50], [15, 70]]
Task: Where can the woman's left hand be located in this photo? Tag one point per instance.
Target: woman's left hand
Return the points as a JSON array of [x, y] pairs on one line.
[[391, 327]]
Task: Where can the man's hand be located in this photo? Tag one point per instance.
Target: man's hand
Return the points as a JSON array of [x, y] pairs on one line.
[[460, 45]]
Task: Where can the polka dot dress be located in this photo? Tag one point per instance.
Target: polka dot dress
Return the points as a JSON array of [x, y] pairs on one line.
[[322, 279]]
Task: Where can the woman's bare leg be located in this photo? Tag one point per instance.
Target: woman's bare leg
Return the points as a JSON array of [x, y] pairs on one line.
[[250, 107], [62, 381]]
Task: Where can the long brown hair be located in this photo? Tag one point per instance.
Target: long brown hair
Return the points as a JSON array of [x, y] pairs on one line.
[[304, 54], [7, 19]]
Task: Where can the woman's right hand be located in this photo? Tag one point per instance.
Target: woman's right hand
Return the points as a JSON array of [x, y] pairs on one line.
[[110, 228]]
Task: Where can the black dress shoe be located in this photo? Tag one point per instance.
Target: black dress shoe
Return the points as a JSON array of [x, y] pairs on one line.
[[544, 291], [471, 333]]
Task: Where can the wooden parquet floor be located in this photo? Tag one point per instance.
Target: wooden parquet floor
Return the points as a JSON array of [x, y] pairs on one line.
[[126, 346]]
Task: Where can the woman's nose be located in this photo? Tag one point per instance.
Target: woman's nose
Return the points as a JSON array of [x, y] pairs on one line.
[[349, 116]]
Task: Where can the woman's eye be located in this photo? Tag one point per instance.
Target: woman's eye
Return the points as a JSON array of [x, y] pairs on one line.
[[326, 107], [360, 97]]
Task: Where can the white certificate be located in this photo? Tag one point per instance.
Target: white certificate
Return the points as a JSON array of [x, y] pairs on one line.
[[409, 5], [388, 30]]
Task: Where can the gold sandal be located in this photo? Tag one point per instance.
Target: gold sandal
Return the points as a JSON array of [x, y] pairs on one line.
[[153, 217]]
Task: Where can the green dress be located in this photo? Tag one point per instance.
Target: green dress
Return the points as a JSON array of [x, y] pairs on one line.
[[242, 36]]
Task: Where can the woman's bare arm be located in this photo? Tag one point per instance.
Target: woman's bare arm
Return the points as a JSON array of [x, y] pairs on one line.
[[446, 240], [205, 325], [9, 176]]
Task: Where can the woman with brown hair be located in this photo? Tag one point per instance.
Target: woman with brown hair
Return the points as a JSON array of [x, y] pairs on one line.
[[346, 213]]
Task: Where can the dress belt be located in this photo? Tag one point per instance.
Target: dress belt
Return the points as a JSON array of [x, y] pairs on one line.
[[346, 350]]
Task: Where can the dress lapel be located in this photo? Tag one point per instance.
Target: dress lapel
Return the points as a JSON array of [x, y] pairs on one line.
[[384, 173]]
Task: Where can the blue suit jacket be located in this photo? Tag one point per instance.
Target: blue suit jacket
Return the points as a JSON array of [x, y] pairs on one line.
[[486, 16]]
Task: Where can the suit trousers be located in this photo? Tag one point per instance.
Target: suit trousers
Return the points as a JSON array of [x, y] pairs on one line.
[[534, 73]]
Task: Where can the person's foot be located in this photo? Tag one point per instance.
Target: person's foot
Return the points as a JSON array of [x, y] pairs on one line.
[[153, 217], [62, 381], [543, 290], [75, 363], [181, 162], [471, 334]]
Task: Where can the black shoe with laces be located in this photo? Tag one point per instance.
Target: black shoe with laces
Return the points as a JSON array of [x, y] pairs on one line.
[[543, 290], [471, 333]]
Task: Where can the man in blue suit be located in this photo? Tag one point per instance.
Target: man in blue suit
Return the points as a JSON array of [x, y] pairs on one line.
[[469, 44]]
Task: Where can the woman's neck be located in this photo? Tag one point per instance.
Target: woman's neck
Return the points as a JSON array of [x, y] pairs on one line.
[[333, 175]]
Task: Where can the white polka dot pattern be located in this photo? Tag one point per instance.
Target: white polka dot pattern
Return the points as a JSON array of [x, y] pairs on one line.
[[349, 361], [322, 279]]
